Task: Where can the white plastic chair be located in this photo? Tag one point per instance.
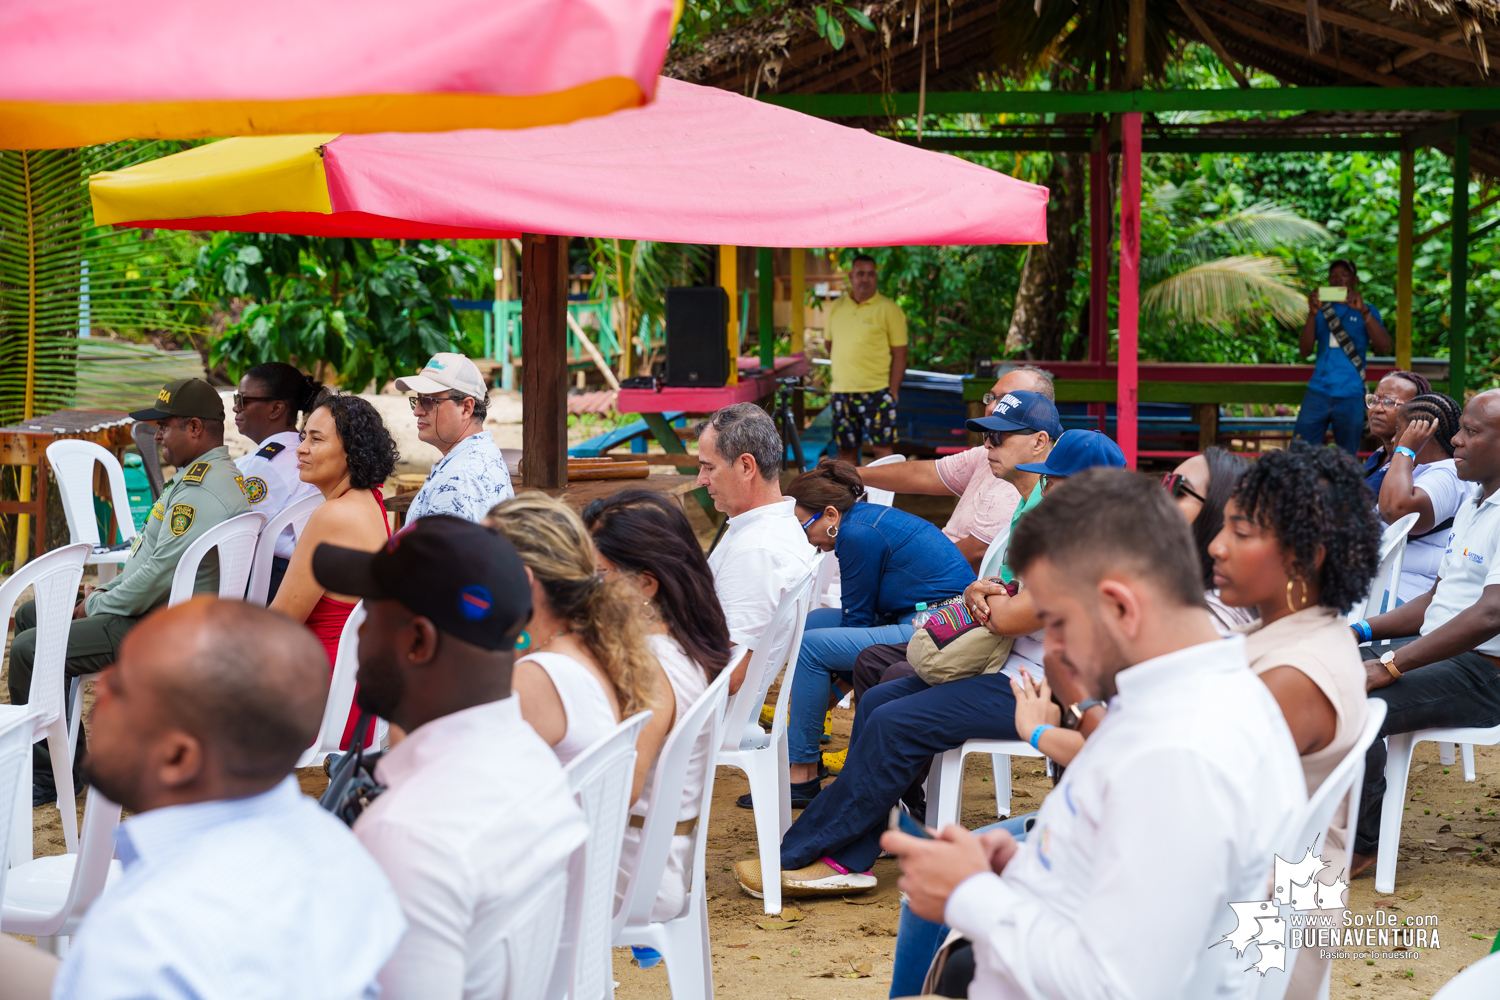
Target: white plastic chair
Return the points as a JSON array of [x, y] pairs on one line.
[[73, 471], [994, 556], [15, 756], [1480, 981], [600, 779], [1387, 579], [294, 516], [341, 696], [235, 539], [764, 757], [54, 576], [531, 936], [883, 497], [1398, 748], [47, 897], [683, 940], [945, 779], [1310, 827], [826, 581]]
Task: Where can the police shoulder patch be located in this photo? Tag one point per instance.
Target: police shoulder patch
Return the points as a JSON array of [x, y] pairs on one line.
[[182, 518], [271, 450], [196, 473], [255, 489]]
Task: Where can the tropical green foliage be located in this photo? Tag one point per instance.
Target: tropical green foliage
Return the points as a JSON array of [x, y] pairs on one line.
[[367, 310], [703, 18]]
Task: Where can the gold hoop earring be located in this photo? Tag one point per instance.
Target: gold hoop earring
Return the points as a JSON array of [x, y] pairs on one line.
[[1289, 597]]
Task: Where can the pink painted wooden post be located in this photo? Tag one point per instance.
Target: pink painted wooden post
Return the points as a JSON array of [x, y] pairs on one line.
[[1099, 269], [1130, 285]]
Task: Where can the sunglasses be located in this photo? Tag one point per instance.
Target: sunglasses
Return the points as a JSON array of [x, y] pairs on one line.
[[1177, 486], [429, 402], [241, 400]]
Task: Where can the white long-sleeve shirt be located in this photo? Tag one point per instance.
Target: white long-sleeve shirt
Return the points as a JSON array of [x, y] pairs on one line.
[[1173, 809]]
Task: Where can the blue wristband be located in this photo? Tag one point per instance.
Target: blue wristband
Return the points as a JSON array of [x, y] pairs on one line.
[[1036, 734], [1402, 449], [1362, 629]]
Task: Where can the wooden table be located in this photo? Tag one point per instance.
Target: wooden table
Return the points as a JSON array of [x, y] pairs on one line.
[[26, 444], [580, 495]]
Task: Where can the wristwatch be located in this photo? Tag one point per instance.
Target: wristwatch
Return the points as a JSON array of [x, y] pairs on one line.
[[1082, 707], [1388, 660]]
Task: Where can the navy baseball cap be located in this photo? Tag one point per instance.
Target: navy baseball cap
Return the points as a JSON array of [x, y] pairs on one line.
[[464, 578], [1078, 450], [1020, 411]]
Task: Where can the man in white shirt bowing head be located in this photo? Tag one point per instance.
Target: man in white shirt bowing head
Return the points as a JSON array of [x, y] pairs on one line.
[[1174, 808], [476, 816], [450, 405], [763, 552]]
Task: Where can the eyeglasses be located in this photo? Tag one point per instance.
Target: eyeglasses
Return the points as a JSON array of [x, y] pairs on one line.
[[1385, 403], [989, 398], [1177, 485], [241, 400], [428, 402], [809, 522]]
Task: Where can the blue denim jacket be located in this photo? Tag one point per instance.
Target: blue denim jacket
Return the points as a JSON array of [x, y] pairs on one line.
[[890, 560]]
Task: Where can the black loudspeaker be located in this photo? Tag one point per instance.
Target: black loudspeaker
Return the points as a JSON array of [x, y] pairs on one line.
[[697, 336]]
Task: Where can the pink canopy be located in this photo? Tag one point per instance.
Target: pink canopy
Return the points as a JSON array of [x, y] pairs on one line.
[[74, 72], [697, 165]]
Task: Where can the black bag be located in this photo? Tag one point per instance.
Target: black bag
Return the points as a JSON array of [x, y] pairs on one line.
[[1345, 342], [351, 783]]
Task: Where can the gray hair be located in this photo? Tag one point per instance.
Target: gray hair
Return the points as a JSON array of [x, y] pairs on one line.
[[746, 429], [1044, 380]]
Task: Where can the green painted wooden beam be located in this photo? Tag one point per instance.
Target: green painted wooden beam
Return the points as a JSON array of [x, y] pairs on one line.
[[1116, 102], [1080, 144], [765, 295]]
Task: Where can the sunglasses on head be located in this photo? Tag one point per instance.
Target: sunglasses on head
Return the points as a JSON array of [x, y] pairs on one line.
[[1177, 486]]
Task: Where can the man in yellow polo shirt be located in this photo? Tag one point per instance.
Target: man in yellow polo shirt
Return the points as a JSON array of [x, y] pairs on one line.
[[866, 334]]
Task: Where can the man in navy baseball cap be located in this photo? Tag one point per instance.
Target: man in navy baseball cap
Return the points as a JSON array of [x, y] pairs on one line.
[[1075, 451], [1020, 411]]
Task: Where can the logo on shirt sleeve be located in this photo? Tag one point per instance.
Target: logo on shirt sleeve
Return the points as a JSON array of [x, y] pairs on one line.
[[255, 489]]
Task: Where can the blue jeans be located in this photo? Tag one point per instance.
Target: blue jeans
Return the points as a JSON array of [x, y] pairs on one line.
[[1345, 413], [898, 727], [827, 649], [917, 940]]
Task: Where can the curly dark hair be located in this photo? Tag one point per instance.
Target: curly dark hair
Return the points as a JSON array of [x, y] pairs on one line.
[[1315, 497], [1444, 412], [368, 447]]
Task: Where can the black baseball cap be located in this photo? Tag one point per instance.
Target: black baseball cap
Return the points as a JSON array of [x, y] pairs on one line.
[[463, 577], [185, 397]]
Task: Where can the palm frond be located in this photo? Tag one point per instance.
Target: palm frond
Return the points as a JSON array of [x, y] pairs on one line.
[[1259, 228], [1220, 291], [51, 254]]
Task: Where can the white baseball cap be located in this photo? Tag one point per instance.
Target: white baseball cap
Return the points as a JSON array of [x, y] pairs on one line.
[[446, 372]]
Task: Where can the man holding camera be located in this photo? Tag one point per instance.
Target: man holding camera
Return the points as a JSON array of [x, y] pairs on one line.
[[1342, 331]]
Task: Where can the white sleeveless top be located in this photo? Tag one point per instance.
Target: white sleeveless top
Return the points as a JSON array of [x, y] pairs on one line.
[[584, 702]]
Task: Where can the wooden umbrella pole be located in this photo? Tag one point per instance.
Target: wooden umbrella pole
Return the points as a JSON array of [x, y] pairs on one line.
[[544, 360]]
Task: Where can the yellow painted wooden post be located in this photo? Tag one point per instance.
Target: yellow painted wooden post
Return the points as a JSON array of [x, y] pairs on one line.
[[799, 298], [729, 280], [1404, 258]]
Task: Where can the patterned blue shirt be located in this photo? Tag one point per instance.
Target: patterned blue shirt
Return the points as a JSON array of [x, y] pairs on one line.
[[218, 899], [466, 482]]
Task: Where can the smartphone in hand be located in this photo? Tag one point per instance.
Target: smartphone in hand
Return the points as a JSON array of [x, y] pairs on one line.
[[901, 821]]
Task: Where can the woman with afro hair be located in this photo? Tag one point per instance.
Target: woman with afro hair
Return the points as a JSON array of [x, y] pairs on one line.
[[1423, 479], [347, 453], [1300, 543]]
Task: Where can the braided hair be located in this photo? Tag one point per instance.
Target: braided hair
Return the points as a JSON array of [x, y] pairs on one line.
[[1310, 498], [1423, 386], [1443, 410]]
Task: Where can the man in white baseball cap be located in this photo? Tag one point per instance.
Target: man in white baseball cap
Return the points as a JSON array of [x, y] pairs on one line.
[[450, 405]]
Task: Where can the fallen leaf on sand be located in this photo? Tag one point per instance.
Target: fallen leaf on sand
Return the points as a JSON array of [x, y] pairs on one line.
[[1419, 769], [1459, 850], [1020, 793], [791, 913], [1386, 903], [755, 956], [1445, 828], [858, 902], [745, 945], [1415, 895], [775, 925], [863, 968], [1351, 981]]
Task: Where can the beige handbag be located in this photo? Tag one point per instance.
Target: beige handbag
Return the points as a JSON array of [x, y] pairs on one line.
[[953, 644]]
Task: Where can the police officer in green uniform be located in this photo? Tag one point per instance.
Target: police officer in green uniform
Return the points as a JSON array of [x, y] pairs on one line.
[[206, 491]]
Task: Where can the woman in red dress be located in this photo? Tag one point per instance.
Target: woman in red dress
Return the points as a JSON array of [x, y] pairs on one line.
[[347, 453]]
